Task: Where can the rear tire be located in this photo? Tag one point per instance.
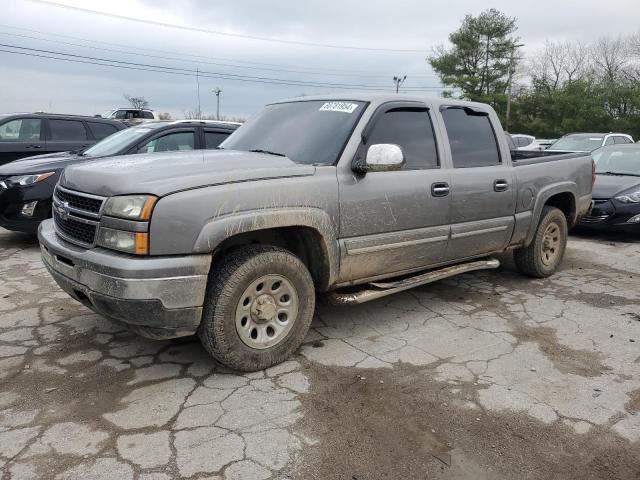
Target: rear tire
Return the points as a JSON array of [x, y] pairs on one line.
[[544, 255], [258, 308]]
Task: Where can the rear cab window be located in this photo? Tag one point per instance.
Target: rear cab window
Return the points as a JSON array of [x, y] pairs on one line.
[[471, 137]]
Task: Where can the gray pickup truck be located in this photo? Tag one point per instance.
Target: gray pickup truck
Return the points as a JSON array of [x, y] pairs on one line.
[[355, 197]]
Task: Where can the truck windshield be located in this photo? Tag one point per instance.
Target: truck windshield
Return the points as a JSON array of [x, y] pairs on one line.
[[114, 144], [307, 132], [578, 143]]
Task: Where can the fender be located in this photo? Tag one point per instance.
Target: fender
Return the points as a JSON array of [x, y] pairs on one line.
[[218, 229], [543, 195]]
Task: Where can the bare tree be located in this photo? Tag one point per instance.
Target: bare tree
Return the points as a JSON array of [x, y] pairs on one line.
[[558, 63], [610, 58], [136, 102], [164, 116]]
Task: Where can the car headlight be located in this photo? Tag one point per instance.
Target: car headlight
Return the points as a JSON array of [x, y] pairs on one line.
[[129, 242], [24, 180], [632, 197], [131, 207]]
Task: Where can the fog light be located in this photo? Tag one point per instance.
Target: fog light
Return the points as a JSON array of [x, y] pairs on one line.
[[634, 219], [28, 209]]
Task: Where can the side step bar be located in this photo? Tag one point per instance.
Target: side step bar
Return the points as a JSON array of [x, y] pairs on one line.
[[382, 289]]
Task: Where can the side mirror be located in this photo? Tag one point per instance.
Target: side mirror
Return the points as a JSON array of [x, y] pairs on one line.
[[383, 157]]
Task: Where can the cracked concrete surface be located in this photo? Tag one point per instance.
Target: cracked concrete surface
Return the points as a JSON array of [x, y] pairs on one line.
[[496, 357]]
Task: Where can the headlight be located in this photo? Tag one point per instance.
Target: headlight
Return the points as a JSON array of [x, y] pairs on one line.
[[132, 207], [130, 242], [24, 180], [632, 197]]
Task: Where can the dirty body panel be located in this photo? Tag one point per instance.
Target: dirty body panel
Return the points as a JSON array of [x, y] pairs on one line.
[[452, 200]]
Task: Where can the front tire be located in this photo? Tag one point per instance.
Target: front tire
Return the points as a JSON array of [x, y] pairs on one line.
[[258, 308], [544, 255]]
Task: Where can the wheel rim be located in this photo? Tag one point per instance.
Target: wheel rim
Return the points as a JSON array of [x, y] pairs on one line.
[[266, 311], [551, 245]]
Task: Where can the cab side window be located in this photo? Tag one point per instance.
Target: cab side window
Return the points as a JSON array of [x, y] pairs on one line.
[[472, 139], [412, 131]]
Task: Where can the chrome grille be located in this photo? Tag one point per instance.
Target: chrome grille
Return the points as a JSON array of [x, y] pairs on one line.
[[79, 201], [76, 216], [74, 230]]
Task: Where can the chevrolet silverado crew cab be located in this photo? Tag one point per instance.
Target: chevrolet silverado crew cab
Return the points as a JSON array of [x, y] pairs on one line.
[[354, 197]]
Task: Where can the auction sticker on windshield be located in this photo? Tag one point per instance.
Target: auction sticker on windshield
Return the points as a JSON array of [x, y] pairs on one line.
[[344, 107]]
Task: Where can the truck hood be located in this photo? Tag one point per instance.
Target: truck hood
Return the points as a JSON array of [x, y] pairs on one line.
[[608, 186], [163, 173], [39, 163]]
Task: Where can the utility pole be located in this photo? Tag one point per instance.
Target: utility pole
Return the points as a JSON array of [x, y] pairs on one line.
[[198, 82], [399, 81], [512, 59], [217, 92]]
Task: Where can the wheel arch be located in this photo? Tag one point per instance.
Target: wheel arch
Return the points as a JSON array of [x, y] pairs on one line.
[[562, 196], [306, 232]]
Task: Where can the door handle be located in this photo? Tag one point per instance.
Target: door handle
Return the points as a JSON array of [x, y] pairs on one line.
[[500, 185], [440, 189], [34, 146]]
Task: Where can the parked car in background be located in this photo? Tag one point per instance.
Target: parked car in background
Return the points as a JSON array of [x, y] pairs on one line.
[[26, 134], [522, 140], [131, 116], [616, 193], [539, 145], [312, 194], [26, 186], [588, 142]]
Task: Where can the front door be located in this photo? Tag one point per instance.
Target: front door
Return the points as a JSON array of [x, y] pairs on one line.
[[392, 222], [482, 190]]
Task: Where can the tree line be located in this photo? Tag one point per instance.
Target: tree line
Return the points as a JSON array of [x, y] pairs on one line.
[[564, 87]]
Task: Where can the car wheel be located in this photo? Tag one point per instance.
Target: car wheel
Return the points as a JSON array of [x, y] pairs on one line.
[[258, 308], [543, 256]]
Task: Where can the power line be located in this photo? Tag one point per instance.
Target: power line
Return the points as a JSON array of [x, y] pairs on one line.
[[198, 72], [227, 34], [186, 72], [251, 67]]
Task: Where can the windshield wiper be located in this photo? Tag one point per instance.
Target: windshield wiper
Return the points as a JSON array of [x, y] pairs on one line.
[[620, 174], [268, 152]]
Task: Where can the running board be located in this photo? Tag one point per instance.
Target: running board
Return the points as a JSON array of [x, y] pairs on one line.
[[382, 289]]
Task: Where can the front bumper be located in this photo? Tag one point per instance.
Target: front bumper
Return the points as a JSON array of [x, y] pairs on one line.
[[157, 297], [13, 199], [608, 214]]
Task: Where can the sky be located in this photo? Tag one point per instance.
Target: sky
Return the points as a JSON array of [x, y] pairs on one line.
[[323, 43]]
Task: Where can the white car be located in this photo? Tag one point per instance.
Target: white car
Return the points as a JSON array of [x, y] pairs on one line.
[[588, 142], [132, 116]]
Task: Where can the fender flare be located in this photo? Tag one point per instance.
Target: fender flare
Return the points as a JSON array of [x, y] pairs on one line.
[[219, 229], [543, 195]]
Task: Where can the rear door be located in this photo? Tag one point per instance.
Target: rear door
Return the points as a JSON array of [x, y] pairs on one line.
[[67, 135], [482, 188], [21, 137], [395, 221]]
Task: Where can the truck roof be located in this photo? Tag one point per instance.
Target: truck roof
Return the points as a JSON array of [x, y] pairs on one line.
[[382, 98]]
